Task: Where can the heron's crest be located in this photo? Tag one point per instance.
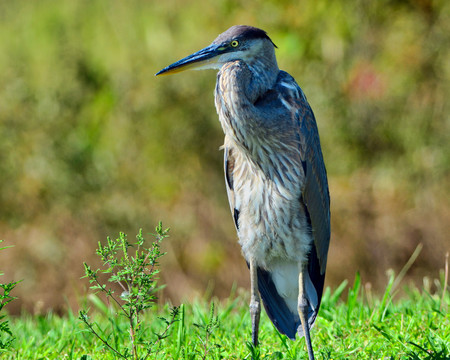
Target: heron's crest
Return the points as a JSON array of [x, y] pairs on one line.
[[242, 32]]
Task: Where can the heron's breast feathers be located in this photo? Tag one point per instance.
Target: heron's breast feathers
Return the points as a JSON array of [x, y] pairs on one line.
[[269, 217]]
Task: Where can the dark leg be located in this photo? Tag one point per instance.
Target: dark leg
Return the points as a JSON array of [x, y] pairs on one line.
[[303, 312], [255, 302]]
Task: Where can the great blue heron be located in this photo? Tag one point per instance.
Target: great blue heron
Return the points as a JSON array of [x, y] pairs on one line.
[[275, 177]]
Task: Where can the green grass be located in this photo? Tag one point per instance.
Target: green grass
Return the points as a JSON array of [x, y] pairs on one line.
[[353, 324]]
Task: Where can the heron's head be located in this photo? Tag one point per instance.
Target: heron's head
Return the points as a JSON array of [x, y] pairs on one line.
[[240, 42]]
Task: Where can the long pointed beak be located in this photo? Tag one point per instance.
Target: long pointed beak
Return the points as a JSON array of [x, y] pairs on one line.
[[206, 58]]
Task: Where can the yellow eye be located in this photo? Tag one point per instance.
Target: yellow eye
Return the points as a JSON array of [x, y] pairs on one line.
[[234, 43]]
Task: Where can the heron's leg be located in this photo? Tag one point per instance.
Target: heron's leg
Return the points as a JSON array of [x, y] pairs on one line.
[[255, 302], [303, 307]]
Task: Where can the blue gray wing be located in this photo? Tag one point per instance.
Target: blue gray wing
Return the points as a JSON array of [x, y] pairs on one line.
[[315, 193], [315, 200]]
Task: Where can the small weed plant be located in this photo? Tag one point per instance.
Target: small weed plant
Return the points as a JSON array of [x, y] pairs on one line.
[[132, 267], [6, 336], [206, 333]]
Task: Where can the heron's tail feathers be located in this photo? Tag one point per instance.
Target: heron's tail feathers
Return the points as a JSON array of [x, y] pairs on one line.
[[276, 307], [279, 292]]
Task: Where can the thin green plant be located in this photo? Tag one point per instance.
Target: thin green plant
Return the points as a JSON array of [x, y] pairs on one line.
[[206, 332], [134, 268]]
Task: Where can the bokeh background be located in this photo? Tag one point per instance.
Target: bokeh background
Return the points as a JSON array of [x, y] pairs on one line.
[[91, 143]]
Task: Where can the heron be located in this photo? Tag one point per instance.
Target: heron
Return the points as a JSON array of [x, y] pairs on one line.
[[275, 177]]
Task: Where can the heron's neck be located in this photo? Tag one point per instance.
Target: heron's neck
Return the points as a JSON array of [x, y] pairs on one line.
[[264, 73], [239, 85]]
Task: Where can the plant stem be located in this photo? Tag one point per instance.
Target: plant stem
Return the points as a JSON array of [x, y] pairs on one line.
[[111, 296], [101, 339], [132, 336]]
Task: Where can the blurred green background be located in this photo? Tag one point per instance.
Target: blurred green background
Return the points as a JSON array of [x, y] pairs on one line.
[[91, 143]]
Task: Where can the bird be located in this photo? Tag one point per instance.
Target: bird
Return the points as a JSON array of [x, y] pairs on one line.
[[275, 177]]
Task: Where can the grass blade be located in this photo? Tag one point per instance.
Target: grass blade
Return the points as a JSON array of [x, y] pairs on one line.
[[353, 295]]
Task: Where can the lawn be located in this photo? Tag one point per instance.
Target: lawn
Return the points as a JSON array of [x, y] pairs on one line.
[[353, 324]]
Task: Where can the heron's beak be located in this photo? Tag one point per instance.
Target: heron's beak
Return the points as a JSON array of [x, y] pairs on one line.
[[206, 58]]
